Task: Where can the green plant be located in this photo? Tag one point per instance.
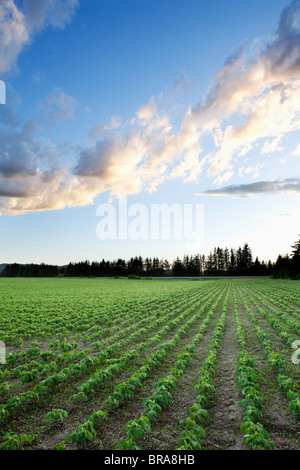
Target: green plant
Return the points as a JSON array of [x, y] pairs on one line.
[[56, 414], [60, 446], [136, 428], [15, 442], [256, 436]]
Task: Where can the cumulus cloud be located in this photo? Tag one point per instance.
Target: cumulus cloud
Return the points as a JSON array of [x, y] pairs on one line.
[[263, 92], [129, 163], [259, 87], [40, 193], [20, 21], [113, 161], [10, 189], [31, 173], [280, 186]]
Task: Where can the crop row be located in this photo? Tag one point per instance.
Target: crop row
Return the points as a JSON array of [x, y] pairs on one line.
[[276, 361]]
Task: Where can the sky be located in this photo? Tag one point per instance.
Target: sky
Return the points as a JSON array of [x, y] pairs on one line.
[[116, 107]]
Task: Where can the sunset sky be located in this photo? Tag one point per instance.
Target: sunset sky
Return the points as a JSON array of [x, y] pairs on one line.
[[160, 101]]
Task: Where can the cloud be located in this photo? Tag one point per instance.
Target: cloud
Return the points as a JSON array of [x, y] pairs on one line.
[[296, 151], [9, 189], [253, 100], [98, 129], [147, 111], [19, 152], [129, 163], [42, 193], [113, 161], [260, 90], [31, 176], [19, 22], [250, 169], [223, 178], [272, 146], [57, 107], [43, 13], [280, 186]]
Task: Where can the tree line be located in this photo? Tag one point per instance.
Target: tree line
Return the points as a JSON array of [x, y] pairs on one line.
[[219, 262], [288, 266]]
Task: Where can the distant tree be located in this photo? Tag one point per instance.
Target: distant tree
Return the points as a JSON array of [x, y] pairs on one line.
[[209, 265], [296, 249], [239, 261], [232, 266], [178, 268], [295, 260], [282, 267], [166, 265], [148, 266], [226, 260], [135, 266], [256, 268], [246, 259]]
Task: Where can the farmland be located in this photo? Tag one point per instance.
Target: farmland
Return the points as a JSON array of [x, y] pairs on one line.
[[148, 364]]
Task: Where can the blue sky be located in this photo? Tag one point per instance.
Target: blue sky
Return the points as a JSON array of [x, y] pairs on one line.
[[160, 101]]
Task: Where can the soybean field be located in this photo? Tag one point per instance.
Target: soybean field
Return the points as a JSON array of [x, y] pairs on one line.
[[121, 364]]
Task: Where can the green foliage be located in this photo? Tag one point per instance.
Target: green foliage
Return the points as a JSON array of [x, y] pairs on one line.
[[136, 428], [139, 330], [60, 446], [85, 432], [256, 436], [127, 444], [15, 442], [56, 414], [294, 404], [190, 441]]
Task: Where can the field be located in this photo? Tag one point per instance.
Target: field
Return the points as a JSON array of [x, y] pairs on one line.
[[149, 364]]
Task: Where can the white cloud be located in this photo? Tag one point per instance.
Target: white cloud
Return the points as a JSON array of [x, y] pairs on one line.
[[296, 151], [20, 23], [253, 97], [223, 178], [147, 111], [250, 169], [264, 93], [271, 146]]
